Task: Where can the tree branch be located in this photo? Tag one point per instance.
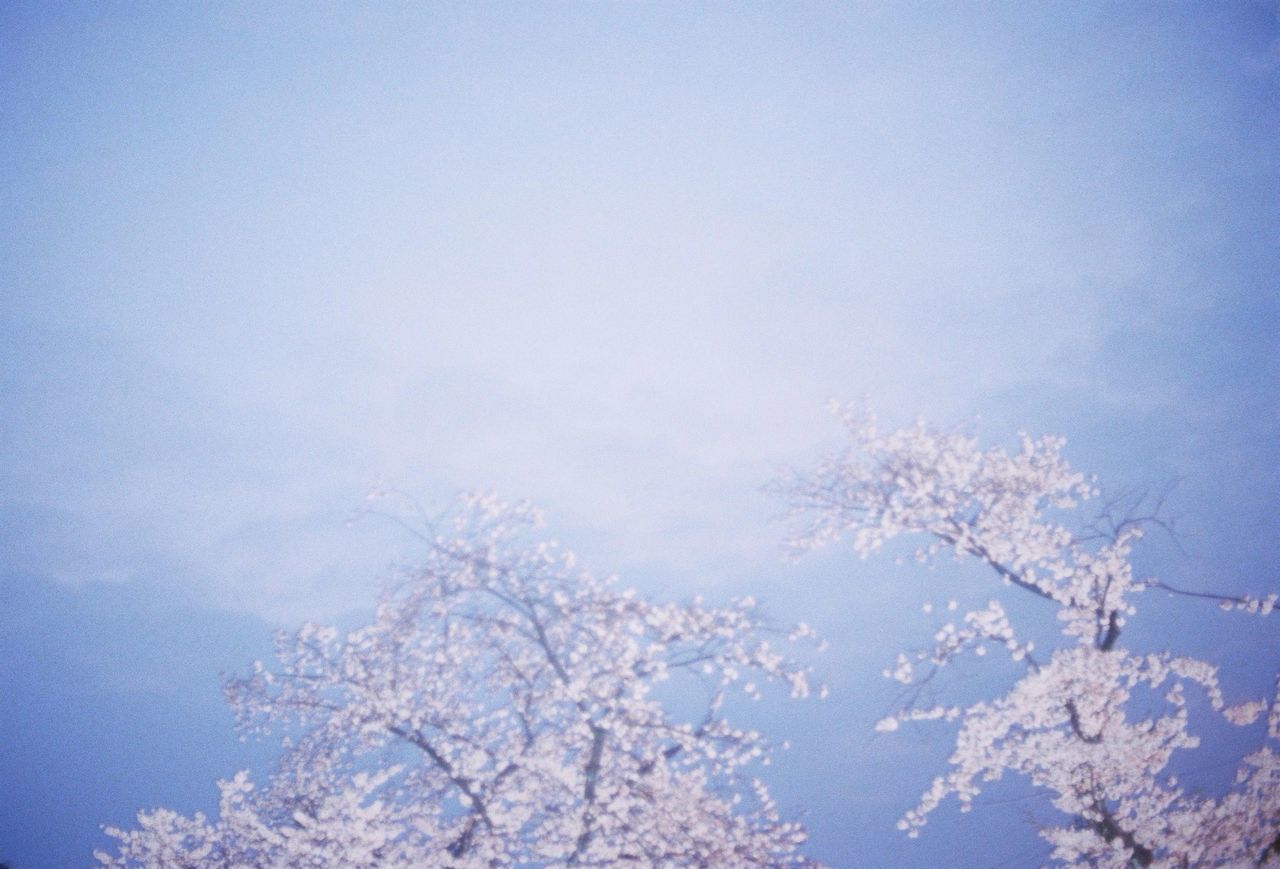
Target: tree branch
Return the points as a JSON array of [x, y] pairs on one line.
[[592, 772], [1109, 829], [463, 842]]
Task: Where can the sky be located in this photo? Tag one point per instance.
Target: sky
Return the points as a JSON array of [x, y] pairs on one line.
[[257, 259]]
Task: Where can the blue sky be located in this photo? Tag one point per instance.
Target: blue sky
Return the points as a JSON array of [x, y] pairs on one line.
[[614, 258]]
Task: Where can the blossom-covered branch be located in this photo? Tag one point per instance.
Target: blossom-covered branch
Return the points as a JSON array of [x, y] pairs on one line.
[[1067, 724], [498, 710]]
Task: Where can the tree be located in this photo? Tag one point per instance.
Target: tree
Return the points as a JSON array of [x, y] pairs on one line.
[[503, 707], [1070, 723]]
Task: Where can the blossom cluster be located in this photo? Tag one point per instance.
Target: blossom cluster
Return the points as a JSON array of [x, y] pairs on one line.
[[1070, 723], [499, 710]]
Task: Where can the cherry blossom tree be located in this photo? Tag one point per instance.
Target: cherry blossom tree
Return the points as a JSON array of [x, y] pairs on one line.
[[504, 707], [1072, 723]]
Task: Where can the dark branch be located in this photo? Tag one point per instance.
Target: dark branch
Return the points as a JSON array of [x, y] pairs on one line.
[[1108, 640], [1074, 714], [1005, 572], [1107, 827], [463, 842], [592, 772], [1226, 598]]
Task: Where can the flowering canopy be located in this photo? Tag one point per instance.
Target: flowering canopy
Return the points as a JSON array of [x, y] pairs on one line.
[[1066, 723], [498, 710]]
